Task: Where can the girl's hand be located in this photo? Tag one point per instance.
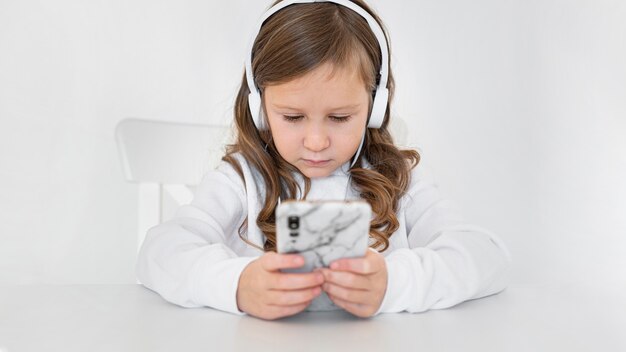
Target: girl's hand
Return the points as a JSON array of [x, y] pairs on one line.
[[267, 293], [357, 285]]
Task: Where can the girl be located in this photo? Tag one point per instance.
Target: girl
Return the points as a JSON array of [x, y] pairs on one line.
[[311, 118]]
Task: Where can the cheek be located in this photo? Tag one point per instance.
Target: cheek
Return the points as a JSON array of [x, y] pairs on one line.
[[351, 133], [284, 139], [353, 142]]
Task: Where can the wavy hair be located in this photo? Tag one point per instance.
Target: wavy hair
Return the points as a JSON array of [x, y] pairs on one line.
[[291, 43]]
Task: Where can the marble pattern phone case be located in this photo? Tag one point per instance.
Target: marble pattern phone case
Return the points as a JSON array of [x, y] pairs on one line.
[[322, 231]]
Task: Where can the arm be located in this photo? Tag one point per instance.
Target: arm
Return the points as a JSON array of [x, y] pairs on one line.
[[449, 260], [188, 260]]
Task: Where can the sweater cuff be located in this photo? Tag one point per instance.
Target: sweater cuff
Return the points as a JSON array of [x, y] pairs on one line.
[[216, 284], [400, 282]]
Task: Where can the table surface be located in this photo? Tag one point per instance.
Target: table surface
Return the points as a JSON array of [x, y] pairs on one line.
[[133, 318]]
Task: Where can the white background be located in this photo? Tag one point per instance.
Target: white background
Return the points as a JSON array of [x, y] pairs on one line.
[[518, 107]]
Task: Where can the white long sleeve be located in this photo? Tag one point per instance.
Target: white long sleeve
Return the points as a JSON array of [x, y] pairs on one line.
[[189, 260], [447, 261]]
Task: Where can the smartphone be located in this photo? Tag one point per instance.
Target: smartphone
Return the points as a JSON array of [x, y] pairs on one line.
[[322, 231]]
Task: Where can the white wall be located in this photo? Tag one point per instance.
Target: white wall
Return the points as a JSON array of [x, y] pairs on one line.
[[518, 107]]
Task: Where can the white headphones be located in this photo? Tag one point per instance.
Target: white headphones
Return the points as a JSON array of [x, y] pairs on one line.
[[382, 94]]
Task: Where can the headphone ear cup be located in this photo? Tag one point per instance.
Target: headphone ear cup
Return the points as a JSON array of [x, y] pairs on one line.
[[254, 104], [378, 108]]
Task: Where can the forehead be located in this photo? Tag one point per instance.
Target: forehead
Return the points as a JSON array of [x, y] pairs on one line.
[[328, 83]]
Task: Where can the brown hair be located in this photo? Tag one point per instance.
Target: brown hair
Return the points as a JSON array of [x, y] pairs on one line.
[[291, 43]]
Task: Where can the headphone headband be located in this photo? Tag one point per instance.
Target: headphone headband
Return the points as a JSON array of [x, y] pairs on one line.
[[382, 94]]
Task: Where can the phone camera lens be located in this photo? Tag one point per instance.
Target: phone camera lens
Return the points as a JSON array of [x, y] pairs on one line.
[[293, 222]]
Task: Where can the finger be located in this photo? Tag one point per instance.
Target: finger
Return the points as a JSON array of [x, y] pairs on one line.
[[277, 312], [346, 279], [285, 311], [290, 298], [347, 294], [296, 281], [273, 261], [360, 310], [355, 265], [369, 264]]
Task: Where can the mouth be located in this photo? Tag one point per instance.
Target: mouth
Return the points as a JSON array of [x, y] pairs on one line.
[[316, 163]]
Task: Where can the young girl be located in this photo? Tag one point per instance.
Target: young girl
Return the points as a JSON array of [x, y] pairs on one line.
[[312, 118]]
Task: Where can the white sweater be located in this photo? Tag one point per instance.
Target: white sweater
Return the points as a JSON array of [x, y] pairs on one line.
[[435, 259]]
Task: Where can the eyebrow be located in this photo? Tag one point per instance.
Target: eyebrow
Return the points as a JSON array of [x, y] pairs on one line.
[[287, 107]]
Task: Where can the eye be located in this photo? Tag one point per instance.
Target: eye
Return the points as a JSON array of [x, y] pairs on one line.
[[340, 118], [292, 118]]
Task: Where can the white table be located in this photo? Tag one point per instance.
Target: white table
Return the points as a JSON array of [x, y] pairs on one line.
[[133, 318]]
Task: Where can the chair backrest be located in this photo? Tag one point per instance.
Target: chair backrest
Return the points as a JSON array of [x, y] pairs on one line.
[[166, 160]]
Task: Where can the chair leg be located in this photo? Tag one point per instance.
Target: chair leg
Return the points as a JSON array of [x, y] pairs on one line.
[[149, 211], [149, 214]]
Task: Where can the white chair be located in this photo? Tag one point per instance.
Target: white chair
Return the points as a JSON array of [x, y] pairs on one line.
[[167, 160]]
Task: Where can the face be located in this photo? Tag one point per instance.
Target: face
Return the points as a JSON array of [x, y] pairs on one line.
[[317, 120]]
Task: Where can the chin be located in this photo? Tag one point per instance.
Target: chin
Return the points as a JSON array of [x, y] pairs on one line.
[[315, 172]]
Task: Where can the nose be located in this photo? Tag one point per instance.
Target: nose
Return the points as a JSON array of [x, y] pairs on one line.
[[316, 139]]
